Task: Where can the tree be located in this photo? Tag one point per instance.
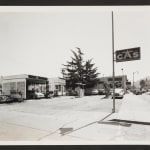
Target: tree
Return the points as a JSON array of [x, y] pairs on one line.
[[142, 84], [74, 69], [90, 74], [79, 71]]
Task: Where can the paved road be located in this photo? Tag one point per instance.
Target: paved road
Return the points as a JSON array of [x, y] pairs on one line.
[[42, 119], [79, 120]]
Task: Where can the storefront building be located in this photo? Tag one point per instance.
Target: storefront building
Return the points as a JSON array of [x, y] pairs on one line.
[[120, 82], [24, 84], [57, 86]]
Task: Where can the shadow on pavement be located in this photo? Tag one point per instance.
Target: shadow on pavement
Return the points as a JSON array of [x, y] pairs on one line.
[[116, 123], [130, 121], [105, 97], [65, 131]]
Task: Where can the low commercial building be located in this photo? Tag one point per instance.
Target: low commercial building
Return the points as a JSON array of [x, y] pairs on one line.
[[120, 82], [24, 84], [57, 86]]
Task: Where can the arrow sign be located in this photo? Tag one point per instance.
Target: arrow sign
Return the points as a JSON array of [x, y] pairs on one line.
[[128, 54]]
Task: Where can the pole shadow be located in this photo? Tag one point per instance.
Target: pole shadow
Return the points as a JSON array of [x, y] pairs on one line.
[[65, 131], [116, 123], [131, 121]]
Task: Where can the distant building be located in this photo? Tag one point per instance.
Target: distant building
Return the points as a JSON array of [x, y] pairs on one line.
[[120, 82], [57, 85], [147, 83]]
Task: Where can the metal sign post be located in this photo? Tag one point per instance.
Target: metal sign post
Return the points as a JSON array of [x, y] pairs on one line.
[[121, 56], [113, 110]]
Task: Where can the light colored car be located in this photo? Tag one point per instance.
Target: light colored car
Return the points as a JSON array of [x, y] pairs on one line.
[[39, 95], [94, 92], [119, 93]]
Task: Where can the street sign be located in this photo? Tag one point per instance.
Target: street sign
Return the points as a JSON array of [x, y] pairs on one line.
[[128, 54]]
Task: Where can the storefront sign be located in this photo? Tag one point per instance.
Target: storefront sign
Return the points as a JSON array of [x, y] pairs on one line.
[[128, 54]]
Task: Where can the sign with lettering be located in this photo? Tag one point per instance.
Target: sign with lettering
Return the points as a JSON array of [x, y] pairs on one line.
[[128, 54]]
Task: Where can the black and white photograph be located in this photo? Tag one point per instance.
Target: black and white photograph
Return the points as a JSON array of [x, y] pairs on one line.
[[75, 75]]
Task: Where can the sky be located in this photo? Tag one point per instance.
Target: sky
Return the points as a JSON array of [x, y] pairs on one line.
[[39, 40]]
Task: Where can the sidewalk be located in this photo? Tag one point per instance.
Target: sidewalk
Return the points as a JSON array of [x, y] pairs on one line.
[[133, 108], [134, 120]]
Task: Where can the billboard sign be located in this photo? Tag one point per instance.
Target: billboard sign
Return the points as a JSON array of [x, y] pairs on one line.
[[128, 54]]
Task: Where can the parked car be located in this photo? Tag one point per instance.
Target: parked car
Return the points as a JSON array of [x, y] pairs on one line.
[[148, 93], [49, 94], [39, 95], [137, 92], [89, 92], [94, 92], [16, 96], [143, 91], [5, 99], [111, 91], [119, 93], [35, 95], [102, 91]]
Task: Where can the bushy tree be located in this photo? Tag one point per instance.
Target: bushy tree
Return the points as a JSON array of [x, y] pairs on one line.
[[90, 74], [79, 71], [142, 84]]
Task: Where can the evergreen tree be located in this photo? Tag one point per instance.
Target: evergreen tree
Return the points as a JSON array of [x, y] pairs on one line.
[[90, 74], [79, 71], [74, 69]]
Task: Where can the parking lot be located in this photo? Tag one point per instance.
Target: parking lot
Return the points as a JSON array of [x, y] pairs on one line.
[[45, 116], [81, 120]]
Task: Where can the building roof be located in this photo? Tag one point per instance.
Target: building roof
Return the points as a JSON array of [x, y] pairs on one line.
[[22, 76]]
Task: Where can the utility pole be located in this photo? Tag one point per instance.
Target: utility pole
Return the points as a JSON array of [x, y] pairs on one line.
[[113, 64]]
